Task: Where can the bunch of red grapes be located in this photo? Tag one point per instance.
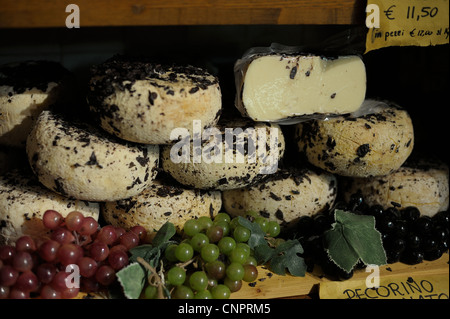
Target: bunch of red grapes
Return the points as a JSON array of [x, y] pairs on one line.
[[78, 255]]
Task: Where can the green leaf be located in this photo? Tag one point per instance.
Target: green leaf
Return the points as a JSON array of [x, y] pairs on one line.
[[339, 249], [143, 251], [286, 257], [132, 278], [164, 234], [263, 253], [256, 233], [354, 237]]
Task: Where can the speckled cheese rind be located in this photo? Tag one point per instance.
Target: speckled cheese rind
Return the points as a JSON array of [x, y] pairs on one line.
[[23, 201], [233, 172], [424, 185], [143, 102], [26, 89], [75, 160], [285, 196], [370, 145], [162, 203], [279, 86]]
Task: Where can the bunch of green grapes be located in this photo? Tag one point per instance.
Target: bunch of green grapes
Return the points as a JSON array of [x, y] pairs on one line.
[[213, 258]]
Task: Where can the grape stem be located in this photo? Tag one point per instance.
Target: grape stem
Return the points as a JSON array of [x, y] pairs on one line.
[[153, 278], [186, 263]]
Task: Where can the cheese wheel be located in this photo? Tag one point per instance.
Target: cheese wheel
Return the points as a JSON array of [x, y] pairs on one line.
[[285, 196], [143, 102], [75, 160], [423, 184], [161, 203], [277, 87], [234, 154], [26, 89], [23, 202], [374, 144]]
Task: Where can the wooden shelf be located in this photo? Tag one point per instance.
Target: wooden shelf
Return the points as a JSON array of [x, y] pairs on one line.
[[269, 285], [36, 14]]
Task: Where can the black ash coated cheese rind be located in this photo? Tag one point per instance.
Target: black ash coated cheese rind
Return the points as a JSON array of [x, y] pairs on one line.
[[27, 88], [79, 161], [422, 183], [160, 203], [227, 173], [284, 196], [142, 101], [27, 75], [372, 144], [23, 201]]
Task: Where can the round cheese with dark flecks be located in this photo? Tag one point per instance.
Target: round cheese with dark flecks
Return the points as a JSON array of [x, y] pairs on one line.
[[161, 203], [285, 196], [26, 89], [23, 202], [369, 145], [423, 184], [233, 154], [76, 160], [143, 102]]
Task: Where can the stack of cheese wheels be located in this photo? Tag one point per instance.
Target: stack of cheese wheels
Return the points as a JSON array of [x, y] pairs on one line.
[[285, 196], [235, 153], [23, 201], [143, 102], [374, 144], [423, 184], [276, 87], [26, 89], [76, 160], [161, 203]]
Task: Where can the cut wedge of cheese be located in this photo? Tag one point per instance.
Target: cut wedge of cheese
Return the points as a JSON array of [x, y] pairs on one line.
[[277, 87]]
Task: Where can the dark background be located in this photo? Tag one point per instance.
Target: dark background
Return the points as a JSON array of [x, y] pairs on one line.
[[417, 78]]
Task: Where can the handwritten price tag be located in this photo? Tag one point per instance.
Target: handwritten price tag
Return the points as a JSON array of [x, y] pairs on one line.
[[406, 23]]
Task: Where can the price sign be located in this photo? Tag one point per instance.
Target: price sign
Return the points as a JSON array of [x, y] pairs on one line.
[[406, 23], [392, 287]]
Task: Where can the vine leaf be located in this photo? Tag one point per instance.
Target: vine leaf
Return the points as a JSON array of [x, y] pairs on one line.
[[353, 238]]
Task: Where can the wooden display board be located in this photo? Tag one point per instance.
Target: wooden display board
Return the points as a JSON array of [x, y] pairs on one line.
[[269, 285], [36, 14]]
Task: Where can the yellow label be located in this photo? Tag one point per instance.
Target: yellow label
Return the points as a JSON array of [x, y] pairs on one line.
[[392, 287], [406, 23]]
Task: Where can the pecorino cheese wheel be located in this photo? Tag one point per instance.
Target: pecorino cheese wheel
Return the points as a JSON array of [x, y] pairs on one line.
[[161, 203], [285, 196], [374, 144], [423, 184], [234, 154], [143, 102], [26, 89], [75, 160], [23, 202], [277, 87]]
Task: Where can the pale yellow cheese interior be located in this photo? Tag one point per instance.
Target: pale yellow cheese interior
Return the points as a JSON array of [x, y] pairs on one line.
[[278, 87]]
